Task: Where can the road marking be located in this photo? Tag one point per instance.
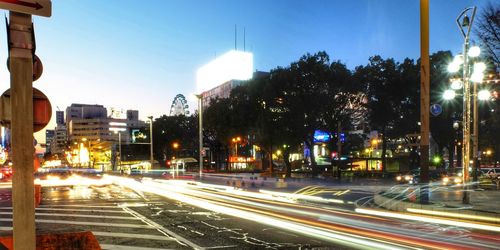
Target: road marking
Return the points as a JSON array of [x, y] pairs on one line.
[[82, 216], [162, 229], [5, 228], [75, 210], [137, 236], [80, 205], [123, 247], [219, 247], [88, 223]]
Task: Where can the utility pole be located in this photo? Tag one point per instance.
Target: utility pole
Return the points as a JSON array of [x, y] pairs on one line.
[[21, 68], [200, 131], [424, 100], [151, 140], [21, 45]]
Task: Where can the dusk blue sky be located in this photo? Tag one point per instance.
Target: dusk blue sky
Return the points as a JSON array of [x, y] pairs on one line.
[[140, 54]]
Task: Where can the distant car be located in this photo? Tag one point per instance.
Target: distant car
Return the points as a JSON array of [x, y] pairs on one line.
[[451, 180], [414, 177], [6, 172], [404, 178], [491, 172]]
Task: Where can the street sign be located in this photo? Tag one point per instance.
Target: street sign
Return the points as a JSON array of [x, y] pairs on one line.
[[42, 110], [33, 7], [436, 109], [37, 67]]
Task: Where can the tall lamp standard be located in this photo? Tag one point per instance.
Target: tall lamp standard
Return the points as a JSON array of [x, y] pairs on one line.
[[151, 140], [200, 131], [465, 24]]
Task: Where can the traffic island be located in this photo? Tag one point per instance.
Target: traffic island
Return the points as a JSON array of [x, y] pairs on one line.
[[409, 203], [69, 241]]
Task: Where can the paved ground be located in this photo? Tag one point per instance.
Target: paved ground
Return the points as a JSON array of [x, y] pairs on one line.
[[121, 219]]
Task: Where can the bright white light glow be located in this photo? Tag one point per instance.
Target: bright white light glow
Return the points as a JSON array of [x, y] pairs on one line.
[[479, 67], [483, 95], [73, 180], [428, 219], [458, 60], [452, 67], [117, 124], [449, 94], [454, 215], [477, 77], [117, 129], [234, 65], [456, 84], [301, 196], [474, 51]]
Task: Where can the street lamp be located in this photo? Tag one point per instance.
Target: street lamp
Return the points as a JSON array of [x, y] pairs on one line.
[[449, 94], [118, 130], [200, 131], [465, 24], [151, 140], [235, 141]]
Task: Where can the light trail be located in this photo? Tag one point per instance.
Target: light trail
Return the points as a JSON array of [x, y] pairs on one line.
[[282, 210], [303, 197], [72, 180], [353, 241], [429, 219], [454, 215]]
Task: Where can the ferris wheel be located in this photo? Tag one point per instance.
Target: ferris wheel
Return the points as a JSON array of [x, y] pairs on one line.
[[179, 106]]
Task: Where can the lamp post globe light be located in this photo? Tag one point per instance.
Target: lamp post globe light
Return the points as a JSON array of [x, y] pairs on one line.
[[470, 75]]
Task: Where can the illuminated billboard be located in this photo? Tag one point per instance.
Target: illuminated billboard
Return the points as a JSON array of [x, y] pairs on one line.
[[233, 65], [321, 136], [117, 113]]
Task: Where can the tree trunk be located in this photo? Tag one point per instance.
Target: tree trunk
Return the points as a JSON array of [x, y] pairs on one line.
[[286, 155], [310, 145], [384, 150]]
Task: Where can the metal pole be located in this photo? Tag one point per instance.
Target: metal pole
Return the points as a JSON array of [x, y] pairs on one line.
[[424, 100], [151, 140], [21, 66], [200, 131], [466, 127], [120, 148], [475, 137], [467, 104]]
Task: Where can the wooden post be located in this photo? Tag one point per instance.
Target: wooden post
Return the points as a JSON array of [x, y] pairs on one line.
[[424, 100], [21, 76]]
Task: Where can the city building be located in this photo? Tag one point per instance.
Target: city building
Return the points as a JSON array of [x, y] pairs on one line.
[[59, 141], [59, 117], [49, 137], [91, 123]]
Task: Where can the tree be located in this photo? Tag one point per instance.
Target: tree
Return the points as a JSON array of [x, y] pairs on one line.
[[384, 93], [179, 129], [488, 32]]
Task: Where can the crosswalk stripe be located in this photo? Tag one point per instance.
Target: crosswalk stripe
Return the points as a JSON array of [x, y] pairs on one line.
[[80, 205], [123, 247], [137, 236], [74, 210], [162, 229], [81, 216], [88, 223], [5, 228]]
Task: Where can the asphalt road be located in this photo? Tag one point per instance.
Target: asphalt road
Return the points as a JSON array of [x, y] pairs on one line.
[[123, 219], [127, 213]]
